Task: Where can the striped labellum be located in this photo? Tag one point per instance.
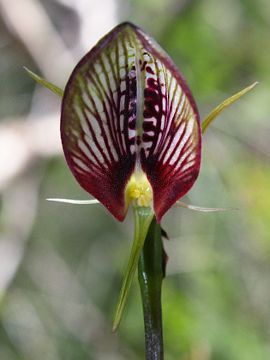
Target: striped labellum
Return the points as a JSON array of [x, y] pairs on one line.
[[129, 125]]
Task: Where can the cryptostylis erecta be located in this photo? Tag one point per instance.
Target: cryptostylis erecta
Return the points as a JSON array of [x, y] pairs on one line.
[[131, 132]]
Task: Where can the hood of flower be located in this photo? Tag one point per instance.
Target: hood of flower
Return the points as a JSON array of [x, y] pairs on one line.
[[129, 126]]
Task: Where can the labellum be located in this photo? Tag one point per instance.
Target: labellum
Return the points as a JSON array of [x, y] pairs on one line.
[[129, 125]]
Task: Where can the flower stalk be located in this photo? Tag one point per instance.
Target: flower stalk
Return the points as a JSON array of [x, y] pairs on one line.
[[150, 274]]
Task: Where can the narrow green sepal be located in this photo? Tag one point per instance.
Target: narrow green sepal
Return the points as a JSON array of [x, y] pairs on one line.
[[55, 89], [143, 217], [214, 113]]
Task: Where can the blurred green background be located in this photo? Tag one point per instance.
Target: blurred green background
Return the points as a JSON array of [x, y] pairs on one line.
[[60, 265]]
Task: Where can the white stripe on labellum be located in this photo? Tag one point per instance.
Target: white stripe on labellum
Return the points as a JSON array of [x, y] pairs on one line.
[[81, 164], [178, 148]]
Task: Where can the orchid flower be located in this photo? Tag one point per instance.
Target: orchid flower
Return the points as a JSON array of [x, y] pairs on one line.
[[131, 132]]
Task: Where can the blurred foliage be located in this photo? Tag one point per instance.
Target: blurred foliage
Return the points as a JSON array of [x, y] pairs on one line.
[[60, 302]]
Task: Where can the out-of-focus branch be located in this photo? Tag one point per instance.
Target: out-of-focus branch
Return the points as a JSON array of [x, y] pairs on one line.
[[93, 24], [19, 208], [23, 140], [29, 21]]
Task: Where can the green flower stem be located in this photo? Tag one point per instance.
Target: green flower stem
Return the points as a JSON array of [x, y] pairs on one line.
[[150, 273]]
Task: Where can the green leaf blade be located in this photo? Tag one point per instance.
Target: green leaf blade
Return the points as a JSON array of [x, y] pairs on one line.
[[143, 217]]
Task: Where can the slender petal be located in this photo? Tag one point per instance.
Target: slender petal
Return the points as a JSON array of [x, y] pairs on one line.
[[76, 202], [202, 209]]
